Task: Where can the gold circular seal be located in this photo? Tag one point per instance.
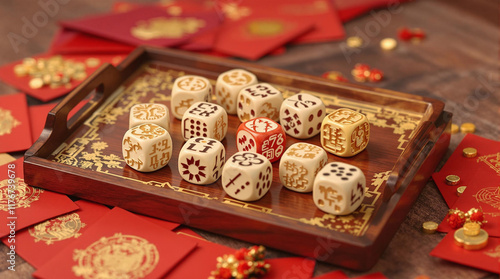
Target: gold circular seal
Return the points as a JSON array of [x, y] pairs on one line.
[[57, 229], [7, 122], [265, 28], [117, 256], [24, 194]]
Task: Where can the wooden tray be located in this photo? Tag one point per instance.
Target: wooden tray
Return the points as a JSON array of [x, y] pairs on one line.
[[82, 157]]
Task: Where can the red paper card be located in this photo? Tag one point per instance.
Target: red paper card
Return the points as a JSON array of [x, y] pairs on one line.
[[150, 25], [74, 42], [31, 205], [15, 133], [46, 93], [254, 37], [348, 10], [162, 223], [487, 258], [53, 235], [339, 274], [119, 245], [300, 268], [480, 171]]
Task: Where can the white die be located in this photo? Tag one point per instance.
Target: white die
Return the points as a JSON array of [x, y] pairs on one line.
[[339, 188], [229, 85], [188, 90], [247, 176], [301, 115], [147, 147], [345, 132], [299, 165], [201, 160], [149, 113], [204, 119], [260, 100]]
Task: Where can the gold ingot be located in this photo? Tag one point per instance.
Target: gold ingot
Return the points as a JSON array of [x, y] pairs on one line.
[[452, 179], [29, 61], [20, 70], [36, 83], [454, 128], [429, 227], [461, 190], [467, 128], [265, 27], [469, 152], [476, 242], [354, 42], [388, 44], [92, 62], [472, 229], [47, 78]]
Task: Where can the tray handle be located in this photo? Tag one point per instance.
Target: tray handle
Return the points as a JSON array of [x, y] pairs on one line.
[[58, 126]]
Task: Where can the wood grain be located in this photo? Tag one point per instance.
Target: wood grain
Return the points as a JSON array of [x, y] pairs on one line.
[[457, 63]]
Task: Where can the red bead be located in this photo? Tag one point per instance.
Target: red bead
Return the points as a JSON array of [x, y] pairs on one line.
[[263, 136], [376, 75], [405, 34]]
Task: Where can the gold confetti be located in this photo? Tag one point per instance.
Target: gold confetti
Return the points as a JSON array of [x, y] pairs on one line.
[[92, 62], [354, 42], [388, 44], [36, 83]]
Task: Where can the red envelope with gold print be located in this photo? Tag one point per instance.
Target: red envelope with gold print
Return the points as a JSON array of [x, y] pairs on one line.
[[295, 267], [487, 258], [119, 245], [21, 205], [15, 133], [46, 93], [74, 42], [348, 10], [480, 171], [162, 223], [254, 37], [53, 235]]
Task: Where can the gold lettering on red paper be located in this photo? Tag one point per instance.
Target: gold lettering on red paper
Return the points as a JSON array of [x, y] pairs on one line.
[[57, 229]]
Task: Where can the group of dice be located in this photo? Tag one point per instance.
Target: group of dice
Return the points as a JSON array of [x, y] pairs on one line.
[[247, 175]]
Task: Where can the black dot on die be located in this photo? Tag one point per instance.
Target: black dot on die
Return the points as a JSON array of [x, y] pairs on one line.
[[339, 174], [320, 112], [348, 174], [248, 183], [197, 134], [310, 131], [198, 122], [252, 112], [311, 117], [333, 165], [260, 175], [334, 171], [326, 174], [352, 169], [192, 121], [204, 129], [345, 178], [341, 168]]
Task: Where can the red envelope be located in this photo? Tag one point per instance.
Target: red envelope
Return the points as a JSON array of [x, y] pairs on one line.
[[296, 267], [348, 10], [74, 42], [339, 274], [46, 93], [149, 25], [53, 235], [482, 170], [119, 245], [162, 223], [6, 158], [15, 133], [32, 205], [376, 275], [486, 258], [254, 37]]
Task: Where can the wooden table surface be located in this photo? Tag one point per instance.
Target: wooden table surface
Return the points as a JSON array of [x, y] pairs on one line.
[[458, 63]]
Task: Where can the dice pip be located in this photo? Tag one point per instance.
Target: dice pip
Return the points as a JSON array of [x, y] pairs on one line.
[[188, 90], [260, 100], [201, 160], [339, 188], [345, 132], [147, 147], [204, 119], [301, 115], [150, 113], [261, 135], [229, 85], [299, 165], [247, 176]]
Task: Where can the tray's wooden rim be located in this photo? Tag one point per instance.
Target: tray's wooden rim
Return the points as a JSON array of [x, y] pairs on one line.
[[53, 132]]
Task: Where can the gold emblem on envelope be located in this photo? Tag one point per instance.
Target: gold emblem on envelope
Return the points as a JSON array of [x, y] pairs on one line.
[[7, 122], [23, 194], [494, 253], [492, 160], [264, 28], [489, 196], [57, 229], [117, 256], [166, 28]]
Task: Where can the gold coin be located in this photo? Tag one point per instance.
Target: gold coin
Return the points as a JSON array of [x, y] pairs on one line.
[[452, 179], [36, 83], [469, 152], [388, 44], [265, 27], [429, 227], [472, 229], [461, 190], [20, 70], [47, 78], [354, 41], [92, 62], [79, 66], [29, 61], [80, 75], [454, 128], [467, 128], [476, 242]]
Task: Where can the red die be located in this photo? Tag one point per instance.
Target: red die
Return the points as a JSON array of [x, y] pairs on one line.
[[261, 135]]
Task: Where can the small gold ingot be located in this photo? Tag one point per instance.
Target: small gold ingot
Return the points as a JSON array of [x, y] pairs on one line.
[[452, 179], [354, 42], [467, 128], [469, 152], [30, 61], [36, 83], [92, 62], [472, 229], [476, 242], [20, 70], [454, 128], [429, 227], [388, 44], [461, 190]]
